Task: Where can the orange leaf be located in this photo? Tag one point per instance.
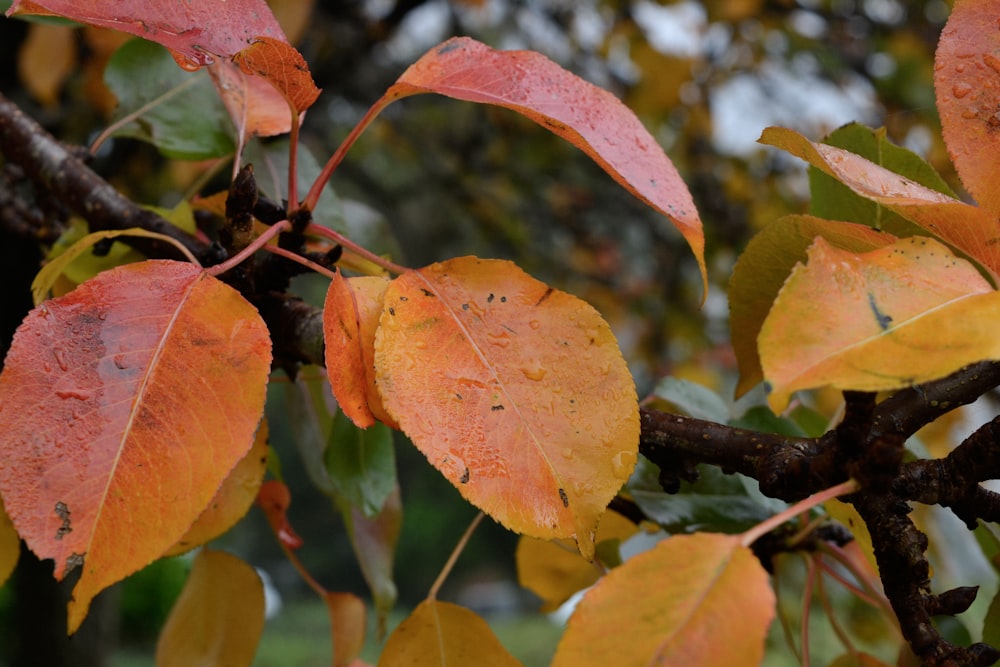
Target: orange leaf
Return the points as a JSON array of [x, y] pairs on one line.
[[971, 229], [218, 618], [350, 318], [347, 626], [441, 633], [274, 498], [706, 601], [966, 72], [10, 546], [124, 404], [591, 118], [763, 268], [46, 59], [906, 313], [515, 391], [283, 66], [232, 500], [554, 571]]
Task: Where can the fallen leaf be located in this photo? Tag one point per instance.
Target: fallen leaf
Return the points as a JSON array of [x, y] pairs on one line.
[[906, 313], [124, 404], [971, 229], [966, 72], [708, 601], [233, 499], [218, 618], [515, 391], [763, 268], [554, 570], [589, 117], [438, 634]]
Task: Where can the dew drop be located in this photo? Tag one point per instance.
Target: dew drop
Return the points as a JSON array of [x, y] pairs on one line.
[[960, 90], [188, 64], [78, 394], [534, 324], [623, 463], [992, 61], [567, 453], [60, 359], [534, 372], [501, 339], [119, 360]]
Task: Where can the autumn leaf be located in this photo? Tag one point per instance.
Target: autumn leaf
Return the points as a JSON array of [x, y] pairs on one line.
[[218, 618], [553, 569], [286, 69], [347, 626], [713, 605], [350, 317], [763, 268], [515, 391], [274, 498], [124, 404], [233, 499], [906, 313], [589, 117], [973, 230], [201, 34], [10, 545], [440, 633], [966, 73]]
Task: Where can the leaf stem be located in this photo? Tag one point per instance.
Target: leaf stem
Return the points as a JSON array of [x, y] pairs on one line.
[[456, 552], [293, 159], [95, 145], [309, 203], [766, 526], [253, 247], [336, 237]]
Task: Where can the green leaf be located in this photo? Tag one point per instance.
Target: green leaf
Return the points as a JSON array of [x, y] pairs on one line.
[[833, 200], [693, 399], [361, 463], [179, 112]]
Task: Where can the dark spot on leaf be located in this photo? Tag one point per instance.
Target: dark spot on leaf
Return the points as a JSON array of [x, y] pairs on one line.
[[464, 479], [768, 387], [564, 497], [993, 241], [496, 408], [458, 396], [392, 311], [403, 298], [883, 320], [489, 299], [545, 296], [465, 306], [426, 292], [62, 511], [503, 299]]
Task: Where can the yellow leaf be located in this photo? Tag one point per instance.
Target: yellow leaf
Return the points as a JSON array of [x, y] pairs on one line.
[[849, 517], [515, 391], [10, 546], [233, 499], [347, 626], [906, 313], [45, 60], [698, 599], [554, 570], [218, 618], [441, 634]]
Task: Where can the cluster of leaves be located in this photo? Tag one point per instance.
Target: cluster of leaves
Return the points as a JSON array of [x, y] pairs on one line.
[[132, 404]]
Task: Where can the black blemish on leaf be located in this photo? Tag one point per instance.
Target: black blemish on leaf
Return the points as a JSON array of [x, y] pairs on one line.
[[883, 320], [403, 298], [496, 408], [458, 396], [490, 298], [426, 292], [465, 306], [564, 497], [62, 511], [464, 479], [392, 311], [503, 299], [545, 296]]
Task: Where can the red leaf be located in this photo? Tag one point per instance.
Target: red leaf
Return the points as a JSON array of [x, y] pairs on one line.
[[274, 498], [591, 118], [966, 74], [123, 406], [210, 34]]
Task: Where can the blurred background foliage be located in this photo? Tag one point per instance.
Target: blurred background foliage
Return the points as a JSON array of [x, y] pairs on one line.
[[436, 178]]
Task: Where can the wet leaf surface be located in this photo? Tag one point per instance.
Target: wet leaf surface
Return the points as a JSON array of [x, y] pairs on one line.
[[124, 405], [515, 391]]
